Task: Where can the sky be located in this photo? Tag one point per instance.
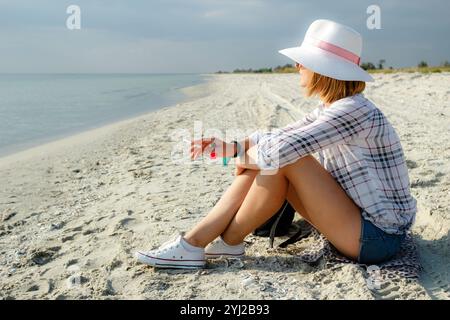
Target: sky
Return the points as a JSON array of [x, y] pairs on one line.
[[200, 36]]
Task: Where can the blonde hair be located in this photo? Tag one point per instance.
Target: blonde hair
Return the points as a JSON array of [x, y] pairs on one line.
[[330, 90]]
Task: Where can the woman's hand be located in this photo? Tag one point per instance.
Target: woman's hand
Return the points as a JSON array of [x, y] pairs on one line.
[[247, 162], [239, 168], [222, 148]]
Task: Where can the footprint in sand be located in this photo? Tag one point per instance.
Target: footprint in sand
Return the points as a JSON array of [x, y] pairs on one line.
[[411, 164], [42, 256], [67, 238], [422, 183], [40, 288], [108, 289], [70, 234], [436, 277], [93, 231], [71, 262], [388, 291], [114, 264], [123, 224], [415, 77]]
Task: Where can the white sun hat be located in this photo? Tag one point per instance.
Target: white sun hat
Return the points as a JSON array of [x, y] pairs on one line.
[[331, 49]]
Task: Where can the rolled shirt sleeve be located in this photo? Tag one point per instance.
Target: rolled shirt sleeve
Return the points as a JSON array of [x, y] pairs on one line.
[[256, 136], [335, 125]]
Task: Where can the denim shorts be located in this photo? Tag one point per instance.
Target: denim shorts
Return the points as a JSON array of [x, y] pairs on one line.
[[376, 245]]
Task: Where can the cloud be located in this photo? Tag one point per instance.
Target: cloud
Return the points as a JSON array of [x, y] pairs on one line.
[[204, 35], [214, 13]]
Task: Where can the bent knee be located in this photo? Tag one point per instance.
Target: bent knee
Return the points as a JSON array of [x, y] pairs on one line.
[[301, 161]]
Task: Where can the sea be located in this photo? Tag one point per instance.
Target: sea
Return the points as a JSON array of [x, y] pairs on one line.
[[39, 108]]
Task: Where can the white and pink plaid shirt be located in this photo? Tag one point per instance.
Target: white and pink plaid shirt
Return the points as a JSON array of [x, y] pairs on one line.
[[359, 147]]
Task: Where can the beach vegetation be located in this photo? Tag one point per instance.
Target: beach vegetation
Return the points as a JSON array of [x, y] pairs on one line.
[[368, 66], [422, 64], [421, 67]]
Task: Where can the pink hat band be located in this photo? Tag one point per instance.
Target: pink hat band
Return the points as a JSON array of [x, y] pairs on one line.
[[341, 52]]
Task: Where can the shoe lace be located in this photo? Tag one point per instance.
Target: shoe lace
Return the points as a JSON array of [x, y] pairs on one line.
[[170, 243]]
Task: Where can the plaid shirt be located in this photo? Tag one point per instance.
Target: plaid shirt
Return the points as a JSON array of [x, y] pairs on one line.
[[358, 146]]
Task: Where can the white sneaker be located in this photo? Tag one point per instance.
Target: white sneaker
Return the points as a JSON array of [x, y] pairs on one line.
[[174, 254], [218, 248]]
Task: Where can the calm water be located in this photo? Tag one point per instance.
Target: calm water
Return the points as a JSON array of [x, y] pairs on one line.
[[39, 108]]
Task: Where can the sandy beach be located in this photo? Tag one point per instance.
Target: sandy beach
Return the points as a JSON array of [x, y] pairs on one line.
[[72, 212]]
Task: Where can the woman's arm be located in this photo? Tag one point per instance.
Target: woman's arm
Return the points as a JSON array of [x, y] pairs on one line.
[[337, 125], [249, 144]]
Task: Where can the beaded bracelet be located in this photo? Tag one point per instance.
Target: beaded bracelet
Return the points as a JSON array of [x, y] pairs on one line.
[[213, 151], [225, 159]]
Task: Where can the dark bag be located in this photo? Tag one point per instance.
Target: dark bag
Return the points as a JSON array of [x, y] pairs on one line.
[[279, 225]]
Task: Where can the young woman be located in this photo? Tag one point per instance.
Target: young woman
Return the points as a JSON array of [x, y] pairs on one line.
[[357, 196]]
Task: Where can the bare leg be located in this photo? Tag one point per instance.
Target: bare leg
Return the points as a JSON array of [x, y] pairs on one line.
[[211, 226], [324, 203], [296, 203], [263, 200]]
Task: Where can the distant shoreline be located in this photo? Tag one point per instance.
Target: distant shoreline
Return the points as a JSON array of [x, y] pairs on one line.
[[287, 69]]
